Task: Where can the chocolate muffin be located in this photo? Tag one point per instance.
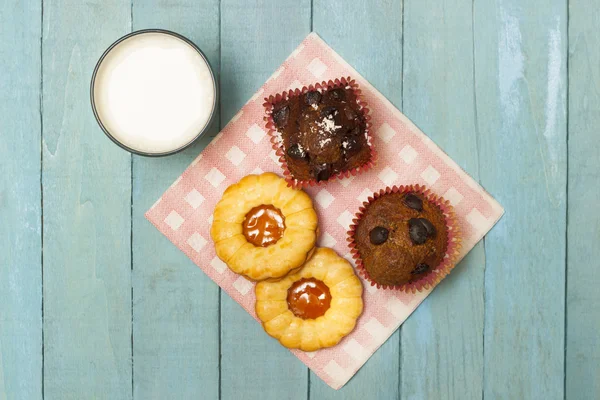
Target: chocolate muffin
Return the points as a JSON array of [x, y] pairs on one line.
[[401, 237], [323, 131]]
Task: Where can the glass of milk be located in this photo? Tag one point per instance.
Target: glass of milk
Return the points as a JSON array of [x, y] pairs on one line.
[[153, 92]]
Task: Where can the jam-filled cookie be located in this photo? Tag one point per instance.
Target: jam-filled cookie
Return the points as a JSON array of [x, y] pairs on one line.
[[313, 308], [262, 228]]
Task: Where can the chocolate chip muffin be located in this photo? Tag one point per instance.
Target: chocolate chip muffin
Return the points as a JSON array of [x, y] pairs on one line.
[[400, 237], [323, 131]]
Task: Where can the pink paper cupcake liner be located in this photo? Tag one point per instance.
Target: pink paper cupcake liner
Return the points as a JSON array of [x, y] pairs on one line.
[[277, 143], [453, 246]]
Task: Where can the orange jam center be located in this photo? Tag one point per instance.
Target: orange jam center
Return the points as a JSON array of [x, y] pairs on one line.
[[263, 226], [308, 298]]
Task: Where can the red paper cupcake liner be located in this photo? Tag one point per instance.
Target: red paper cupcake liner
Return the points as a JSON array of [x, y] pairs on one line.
[[453, 246], [277, 142]]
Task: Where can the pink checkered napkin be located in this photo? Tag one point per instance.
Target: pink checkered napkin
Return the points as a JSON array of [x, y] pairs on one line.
[[406, 156]]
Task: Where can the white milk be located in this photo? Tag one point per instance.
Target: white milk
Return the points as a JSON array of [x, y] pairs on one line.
[[154, 93]]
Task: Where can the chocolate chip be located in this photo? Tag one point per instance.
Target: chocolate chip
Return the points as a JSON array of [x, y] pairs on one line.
[[338, 94], [417, 231], [296, 152], [350, 113], [429, 226], [378, 235], [420, 229], [356, 131], [350, 145], [411, 200], [312, 97], [322, 172], [421, 268], [329, 112], [281, 115], [352, 142]]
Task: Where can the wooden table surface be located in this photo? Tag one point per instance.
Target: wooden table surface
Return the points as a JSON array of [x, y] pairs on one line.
[[96, 304]]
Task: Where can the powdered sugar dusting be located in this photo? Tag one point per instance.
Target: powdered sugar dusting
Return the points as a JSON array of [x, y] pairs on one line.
[[328, 124], [324, 142]]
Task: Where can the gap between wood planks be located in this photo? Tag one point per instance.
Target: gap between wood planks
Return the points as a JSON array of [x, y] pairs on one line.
[[41, 178], [566, 208]]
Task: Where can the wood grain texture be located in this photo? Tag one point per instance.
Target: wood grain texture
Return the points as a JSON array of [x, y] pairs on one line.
[[348, 27], [20, 199], [520, 75], [255, 39], [175, 306], [583, 268], [86, 232], [487, 81], [442, 342]]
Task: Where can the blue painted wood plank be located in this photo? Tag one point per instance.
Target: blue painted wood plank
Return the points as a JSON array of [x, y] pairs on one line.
[[86, 226], [20, 201], [175, 306], [442, 342], [255, 38], [370, 39], [520, 82], [583, 271]]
